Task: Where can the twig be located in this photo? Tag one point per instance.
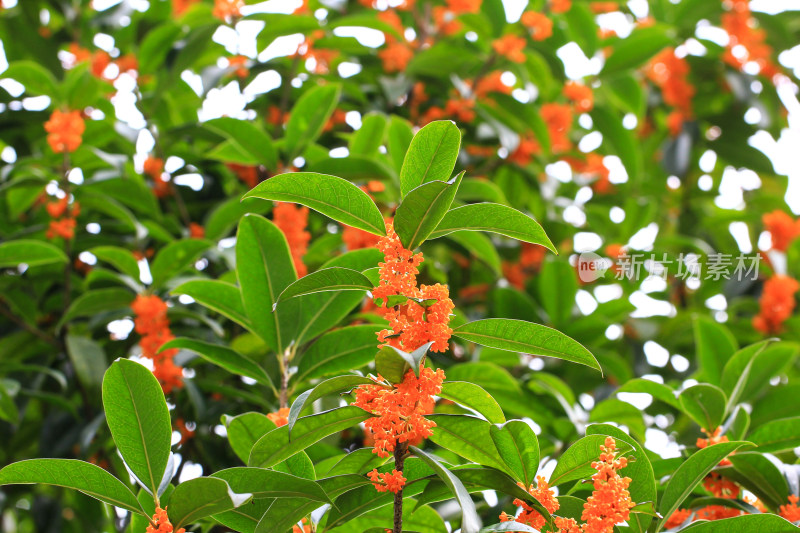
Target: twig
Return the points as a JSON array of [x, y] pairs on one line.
[[399, 460], [27, 327]]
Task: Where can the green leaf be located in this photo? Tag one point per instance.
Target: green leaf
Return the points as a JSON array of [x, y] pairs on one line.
[[398, 139], [639, 469], [481, 247], [525, 337], [422, 209], [120, 258], [276, 445], [470, 522], [8, 408], [762, 523], [224, 298], [156, 45], [263, 483], [137, 415], [715, 346], [637, 48], [748, 372], [327, 280], [369, 136], [202, 497], [393, 363], [30, 252], [245, 430], [689, 474], [333, 197], [308, 117], [658, 391], [88, 360], [576, 462], [705, 404], [338, 351], [36, 78], [469, 437], [279, 24], [264, 268], [582, 28], [474, 397], [176, 257], [72, 474], [247, 138], [224, 357], [494, 218], [777, 436], [519, 448], [329, 386], [90, 303], [431, 155], [558, 286], [759, 475]]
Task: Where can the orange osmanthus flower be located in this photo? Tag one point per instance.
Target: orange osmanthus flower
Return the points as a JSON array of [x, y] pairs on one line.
[[539, 24], [292, 220], [227, 9], [179, 6], [152, 324], [604, 7], [399, 410], [196, 231], [791, 511], [671, 74], [580, 95], [511, 47], [777, 303], [558, 118], [280, 417], [186, 433], [390, 481], [248, 174], [782, 228], [65, 131], [747, 42], [162, 523], [560, 6], [395, 56], [239, 66]]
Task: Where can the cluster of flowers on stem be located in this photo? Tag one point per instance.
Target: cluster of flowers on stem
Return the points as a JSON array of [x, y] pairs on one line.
[[62, 214], [161, 523], [153, 325], [609, 504]]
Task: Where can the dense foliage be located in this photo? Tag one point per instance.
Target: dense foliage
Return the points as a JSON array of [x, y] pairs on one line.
[[408, 265]]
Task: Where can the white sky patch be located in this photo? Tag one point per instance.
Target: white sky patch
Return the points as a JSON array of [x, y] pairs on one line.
[[576, 64], [264, 82], [365, 36]]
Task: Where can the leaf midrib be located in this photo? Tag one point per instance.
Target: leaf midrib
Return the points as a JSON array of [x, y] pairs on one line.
[[153, 484]]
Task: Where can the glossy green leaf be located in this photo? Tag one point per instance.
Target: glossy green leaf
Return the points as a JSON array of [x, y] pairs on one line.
[[222, 356], [691, 472], [176, 257], [263, 483], [777, 436], [398, 139], [715, 346], [327, 280], [338, 351], [525, 337], [137, 415], [245, 430], [393, 363], [333, 197], [758, 474], [276, 445], [470, 522], [369, 137], [90, 303], [519, 448], [245, 137], [481, 247], [474, 397], [330, 386], [120, 258], [469, 437], [705, 404], [493, 218], [29, 252], [762, 523], [422, 210], [201, 497], [88, 360], [309, 115], [72, 474], [637, 48], [224, 298], [35, 77], [431, 156]]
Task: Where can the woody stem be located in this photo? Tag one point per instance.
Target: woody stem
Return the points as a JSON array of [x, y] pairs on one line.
[[284, 367], [399, 458], [67, 242]]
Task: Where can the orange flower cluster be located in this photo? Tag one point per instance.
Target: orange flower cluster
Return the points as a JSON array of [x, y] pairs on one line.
[[511, 47], [539, 25], [460, 109], [399, 409], [226, 10], [445, 18], [395, 56], [747, 43], [670, 73], [782, 228], [248, 174], [280, 417], [609, 504], [153, 325], [776, 303], [558, 118], [292, 220], [239, 66], [594, 166], [604, 7], [560, 6], [186, 433], [714, 437], [527, 148], [154, 167], [100, 60], [196, 231], [492, 82], [791, 511], [580, 95], [65, 131], [322, 58], [339, 116], [161, 523], [62, 227], [276, 117], [411, 324], [388, 482], [530, 259]]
